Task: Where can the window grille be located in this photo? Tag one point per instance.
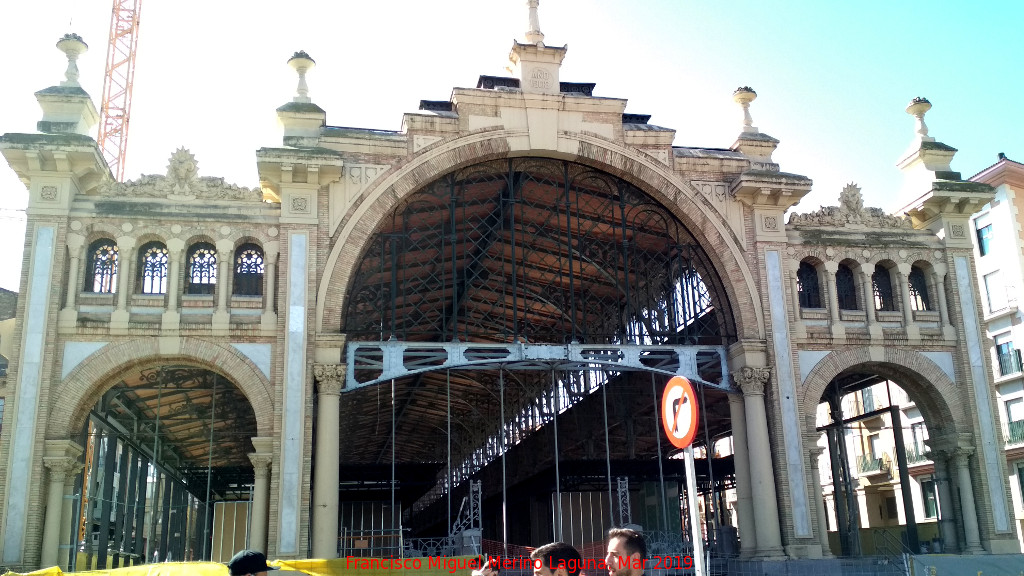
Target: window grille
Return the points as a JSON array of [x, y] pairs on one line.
[[881, 283], [918, 290], [153, 268], [846, 288], [807, 286], [248, 270], [202, 269], [101, 267]]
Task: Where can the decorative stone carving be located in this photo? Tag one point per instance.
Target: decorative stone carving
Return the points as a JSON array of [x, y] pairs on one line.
[[330, 378], [300, 204], [261, 465], [48, 193], [851, 210], [771, 223], [957, 231], [752, 380], [182, 182], [61, 467], [961, 456], [419, 142]]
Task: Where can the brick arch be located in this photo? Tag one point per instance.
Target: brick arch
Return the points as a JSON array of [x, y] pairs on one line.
[[938, 398], [84, 386], [655, 179]]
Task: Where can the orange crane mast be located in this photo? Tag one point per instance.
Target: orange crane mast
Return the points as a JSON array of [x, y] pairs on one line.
[[117, 84]]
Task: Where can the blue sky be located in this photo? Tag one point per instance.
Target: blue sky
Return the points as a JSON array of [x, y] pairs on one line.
[[832, 78]]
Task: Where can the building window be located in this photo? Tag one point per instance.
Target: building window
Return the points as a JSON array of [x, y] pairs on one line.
[[984, 231], [1, 413], [807, 286], [996, 291], [881, 283], [1007, 357], [1015, 421], [248, 270], [931, 502], [846, 288], [3, 366], [153, 268], [101, 267], [918, 290], [202, 269]]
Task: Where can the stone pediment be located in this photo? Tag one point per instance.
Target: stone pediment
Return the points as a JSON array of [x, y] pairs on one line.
[[181, 183], [850, 212]]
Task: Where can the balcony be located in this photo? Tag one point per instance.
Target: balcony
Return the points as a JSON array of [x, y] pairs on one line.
[[916, 455], [869, 465], [1009, 363], [1015, 432]]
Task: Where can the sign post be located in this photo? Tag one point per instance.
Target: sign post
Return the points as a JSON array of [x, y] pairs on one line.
[[680, 418]]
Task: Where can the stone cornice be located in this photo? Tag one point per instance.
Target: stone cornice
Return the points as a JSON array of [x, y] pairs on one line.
[[762, 188]]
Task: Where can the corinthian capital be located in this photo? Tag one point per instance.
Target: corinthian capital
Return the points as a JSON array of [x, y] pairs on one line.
[[61, 467], [752, 380], [261, 465], [961, 456], [330, 378]]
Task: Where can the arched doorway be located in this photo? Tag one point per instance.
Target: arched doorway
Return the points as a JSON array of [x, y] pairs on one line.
[[566, 289]]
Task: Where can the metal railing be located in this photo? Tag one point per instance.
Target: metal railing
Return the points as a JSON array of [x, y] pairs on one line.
[[917, 455], [1015, 432], [868, 465], [1010, 363]]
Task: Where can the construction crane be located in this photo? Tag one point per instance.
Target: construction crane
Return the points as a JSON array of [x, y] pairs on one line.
[[116, 108]]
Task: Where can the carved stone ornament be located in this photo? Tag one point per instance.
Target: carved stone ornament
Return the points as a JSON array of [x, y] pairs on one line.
[[851, 210], [300, 204], [61, 467], [182, 182], [962, 456], [330, 378], [48, 193], [752, 380], [261, 465]]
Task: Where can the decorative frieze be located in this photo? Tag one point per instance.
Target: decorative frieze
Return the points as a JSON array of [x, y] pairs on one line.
[[182, 182], [851, 211]]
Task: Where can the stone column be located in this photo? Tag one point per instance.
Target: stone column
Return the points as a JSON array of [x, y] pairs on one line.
[[260, 499], [175, 254], [903, 276], [940, 293], [947, 524], [269, 318], [125, 257], [60, 467], [833, 295], [766, 513], [816, 494], [221, 317], [972, 534], [330, 379], [68, 316], [741, 460]]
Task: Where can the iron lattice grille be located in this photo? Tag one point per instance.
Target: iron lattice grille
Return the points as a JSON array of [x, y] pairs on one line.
[[541, 250]]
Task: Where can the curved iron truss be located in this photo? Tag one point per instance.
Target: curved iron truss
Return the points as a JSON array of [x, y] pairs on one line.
[[536, 250]]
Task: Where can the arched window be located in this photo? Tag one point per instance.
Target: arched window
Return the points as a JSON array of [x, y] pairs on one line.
[[202, 269], [249, 270], [881, 283], [918, 290], [807, 285], [153, 268], [846, 288], [101, 267]]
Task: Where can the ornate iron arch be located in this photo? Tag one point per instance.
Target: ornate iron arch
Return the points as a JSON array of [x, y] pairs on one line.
[[536, 250]]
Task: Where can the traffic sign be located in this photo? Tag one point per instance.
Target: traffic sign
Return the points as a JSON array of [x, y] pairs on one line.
[[679, 414]]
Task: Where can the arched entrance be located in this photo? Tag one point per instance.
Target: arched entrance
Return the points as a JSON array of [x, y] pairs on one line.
[[495, 305]]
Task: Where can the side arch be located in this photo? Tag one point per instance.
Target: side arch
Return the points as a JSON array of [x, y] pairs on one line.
[[84, 386], [929, 386], [644, 172]]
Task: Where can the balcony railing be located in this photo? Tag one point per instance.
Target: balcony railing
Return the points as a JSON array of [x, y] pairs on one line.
[[1015, 432], [1009, 363], [917, 455], [868, 465]]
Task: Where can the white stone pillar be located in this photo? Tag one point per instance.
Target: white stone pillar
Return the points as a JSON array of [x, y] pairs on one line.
[[330, 379], [175, 254], [125, 257], [940, 293], [817, 499], [68, 317], [260, 499], [762, 473], [269, 318], [972, 533], [741, 460], [903, 276], [221, 316], [833, 295], [59, 467]]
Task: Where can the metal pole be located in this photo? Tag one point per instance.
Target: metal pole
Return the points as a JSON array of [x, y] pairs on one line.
[[209, 463], [607, 450], [558, 484], [691, 499], [504, 449], [657, 437]]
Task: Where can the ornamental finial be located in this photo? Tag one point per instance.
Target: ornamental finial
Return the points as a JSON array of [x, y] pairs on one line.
[[301, 62], [533, 33], [72, 46]]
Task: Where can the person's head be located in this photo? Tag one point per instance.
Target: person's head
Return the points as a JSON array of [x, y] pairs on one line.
[[249, 562], [556, 559], [626, 552]]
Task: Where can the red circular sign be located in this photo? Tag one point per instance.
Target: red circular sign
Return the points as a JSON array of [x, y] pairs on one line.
[[679, 415]]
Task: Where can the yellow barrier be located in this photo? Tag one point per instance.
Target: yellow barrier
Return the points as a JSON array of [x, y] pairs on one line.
[[352, 566]]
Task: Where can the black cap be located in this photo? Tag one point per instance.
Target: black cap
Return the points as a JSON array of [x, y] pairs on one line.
[[248, 562]]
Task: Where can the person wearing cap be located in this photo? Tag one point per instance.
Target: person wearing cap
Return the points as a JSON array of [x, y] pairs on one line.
[[249, 562]]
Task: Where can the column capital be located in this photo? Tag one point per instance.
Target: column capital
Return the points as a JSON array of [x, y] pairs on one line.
[[261, 464], [752, 380], [330, 378], [815, 452], [61, 467], [961, 456]]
